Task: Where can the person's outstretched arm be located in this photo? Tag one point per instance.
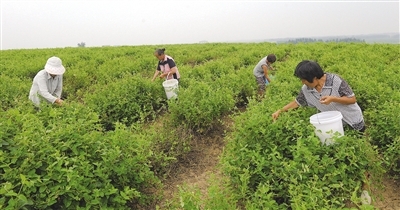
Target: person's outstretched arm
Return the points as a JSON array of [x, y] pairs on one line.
[[291, 105], [155, 75]]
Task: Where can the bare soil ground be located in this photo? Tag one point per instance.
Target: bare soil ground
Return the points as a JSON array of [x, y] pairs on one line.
[[387, 198], [197, 167]]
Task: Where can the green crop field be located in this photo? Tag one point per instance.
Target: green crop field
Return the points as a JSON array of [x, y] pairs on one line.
[[110, 145]]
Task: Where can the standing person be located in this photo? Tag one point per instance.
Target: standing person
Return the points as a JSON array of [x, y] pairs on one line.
[[48, 83], [166, 65], [327, 92], [261, 72]]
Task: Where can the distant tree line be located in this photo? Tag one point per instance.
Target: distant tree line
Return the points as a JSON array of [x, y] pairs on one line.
[[82, 44], [308, 40]]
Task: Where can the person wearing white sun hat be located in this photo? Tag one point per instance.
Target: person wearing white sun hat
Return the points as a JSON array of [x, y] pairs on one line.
[[48, 83]]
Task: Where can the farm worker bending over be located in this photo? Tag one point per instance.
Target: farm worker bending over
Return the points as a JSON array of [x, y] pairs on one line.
[[47, 84], [261, 72], [166, 65], [327, 92]]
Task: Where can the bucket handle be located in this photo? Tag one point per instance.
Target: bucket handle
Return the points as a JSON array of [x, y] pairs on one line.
[[166, 78]]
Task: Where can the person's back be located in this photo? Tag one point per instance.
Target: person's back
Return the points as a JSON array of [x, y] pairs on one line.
[[258, 71]]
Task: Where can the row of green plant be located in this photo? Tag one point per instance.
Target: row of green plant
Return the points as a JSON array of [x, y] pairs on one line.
[[282, 164], [61, 158], [113, 159], [117, 135]]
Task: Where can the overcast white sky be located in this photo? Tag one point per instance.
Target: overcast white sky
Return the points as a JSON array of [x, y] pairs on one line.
[[51, 24]]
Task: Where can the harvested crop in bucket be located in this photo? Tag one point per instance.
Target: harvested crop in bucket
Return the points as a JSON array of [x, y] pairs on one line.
[[171, 88], [327, 125]]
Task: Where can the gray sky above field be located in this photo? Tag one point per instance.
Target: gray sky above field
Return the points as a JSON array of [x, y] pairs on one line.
[[51, 24]]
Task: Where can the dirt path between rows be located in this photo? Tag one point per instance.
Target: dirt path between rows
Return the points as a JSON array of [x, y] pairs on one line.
[[198, 166], [387, 198], [202, 162]]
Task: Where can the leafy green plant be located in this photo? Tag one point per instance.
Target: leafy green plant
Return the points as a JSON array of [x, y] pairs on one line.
[[128, 101], [101, 151], [10, 89], [75, 165], [220, 195], [199, 105], [392, 157], [289, 159]]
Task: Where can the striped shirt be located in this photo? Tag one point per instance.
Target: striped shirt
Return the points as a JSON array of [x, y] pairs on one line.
[[334, 86]]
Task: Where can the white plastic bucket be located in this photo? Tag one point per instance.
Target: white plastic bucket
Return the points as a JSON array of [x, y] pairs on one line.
[[171, 88], [327, 124]]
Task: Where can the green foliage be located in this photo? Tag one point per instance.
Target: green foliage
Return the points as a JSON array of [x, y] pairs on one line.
[[168, 143], [263, 199], [392, 157], [199, 105], [287, 160], [102, 151], [384, 114], [384, 128], [59, 158], [129, 100], [190, 200], [219, 196], [10, 89]]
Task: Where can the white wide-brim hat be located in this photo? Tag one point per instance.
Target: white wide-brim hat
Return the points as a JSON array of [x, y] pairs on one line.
[[54, 66]]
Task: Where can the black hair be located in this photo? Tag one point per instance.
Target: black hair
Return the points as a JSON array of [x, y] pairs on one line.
[[308, 70], [271, 58], [160, 51]]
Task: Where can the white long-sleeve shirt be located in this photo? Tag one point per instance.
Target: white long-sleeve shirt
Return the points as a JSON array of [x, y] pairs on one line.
[[46, 86]]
